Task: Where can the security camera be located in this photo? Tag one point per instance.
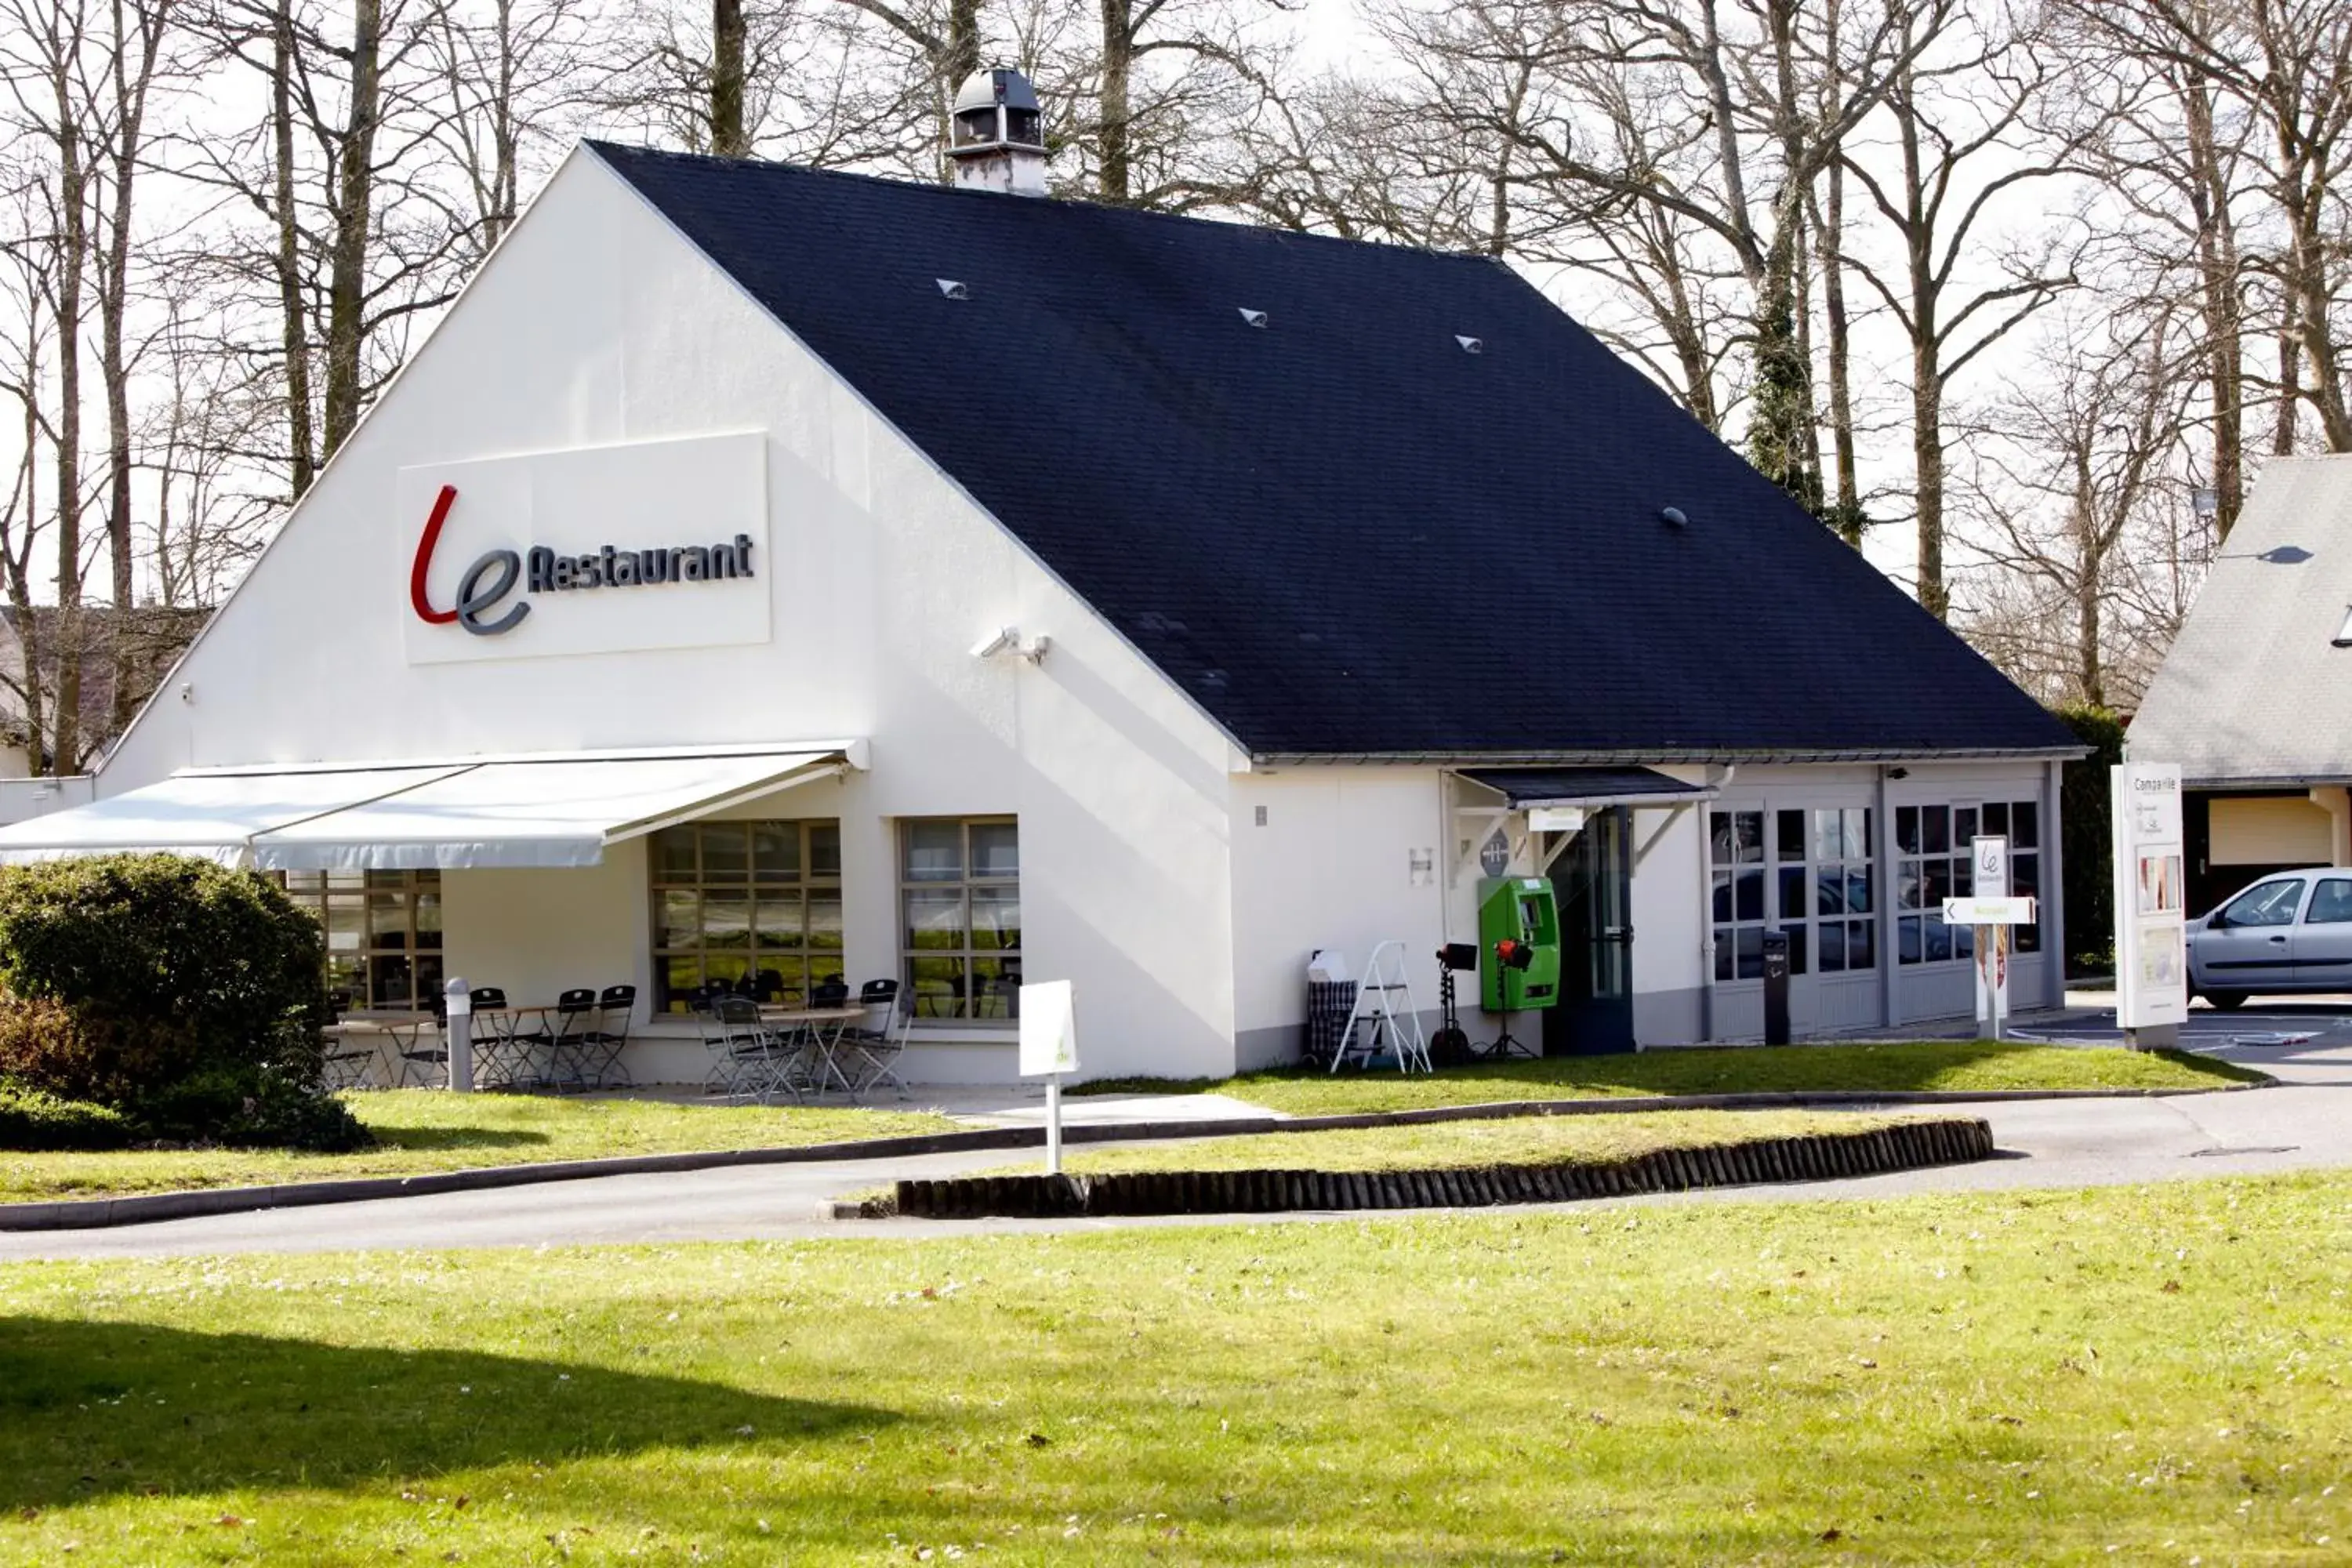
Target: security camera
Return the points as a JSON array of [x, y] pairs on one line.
[[989, 647]]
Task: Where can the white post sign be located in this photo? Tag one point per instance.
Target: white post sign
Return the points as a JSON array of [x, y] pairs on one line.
[[1991, 918], [1049, 1048], [1990, 853], [2150, 900]]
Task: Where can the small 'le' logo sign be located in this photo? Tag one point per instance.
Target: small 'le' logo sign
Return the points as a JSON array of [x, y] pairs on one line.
[[488, 580]]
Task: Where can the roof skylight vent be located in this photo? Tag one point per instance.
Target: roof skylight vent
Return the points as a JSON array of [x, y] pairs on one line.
[[2343, 638], [1674, 517], [1254, 318], [951, 289], [1471, 345]]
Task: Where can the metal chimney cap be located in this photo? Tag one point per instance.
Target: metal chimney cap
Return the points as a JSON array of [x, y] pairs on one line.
[[986, 88]]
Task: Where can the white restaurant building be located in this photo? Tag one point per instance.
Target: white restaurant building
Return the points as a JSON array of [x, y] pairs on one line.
[[762, 570]]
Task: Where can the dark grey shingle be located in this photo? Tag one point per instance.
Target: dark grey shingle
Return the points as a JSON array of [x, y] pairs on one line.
[[1340, 532]]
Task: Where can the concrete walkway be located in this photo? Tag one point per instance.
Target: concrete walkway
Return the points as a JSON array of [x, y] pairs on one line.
[[2305, 1123]]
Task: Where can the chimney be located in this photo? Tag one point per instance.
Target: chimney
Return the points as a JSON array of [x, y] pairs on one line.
[[997, 140]]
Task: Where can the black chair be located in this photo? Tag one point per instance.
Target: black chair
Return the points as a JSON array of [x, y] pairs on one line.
[[833, 991], [493, 1039], [877, 1048], [567, 1051], [614, 1011]]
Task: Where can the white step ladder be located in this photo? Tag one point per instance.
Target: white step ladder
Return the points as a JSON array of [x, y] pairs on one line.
[[1386, 1017]]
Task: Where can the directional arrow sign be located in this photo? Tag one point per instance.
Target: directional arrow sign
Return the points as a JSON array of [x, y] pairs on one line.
[[1988, 912]]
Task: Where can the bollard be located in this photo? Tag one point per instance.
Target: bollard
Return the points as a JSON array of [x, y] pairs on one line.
[[458, 1034]]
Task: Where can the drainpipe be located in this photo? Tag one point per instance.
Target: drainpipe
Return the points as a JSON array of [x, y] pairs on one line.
[[1706, 913]]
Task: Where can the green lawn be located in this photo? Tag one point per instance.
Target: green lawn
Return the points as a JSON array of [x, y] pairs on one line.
[[1471, 1145], [2148, 1375], [1970, 1066], [431, 1130]]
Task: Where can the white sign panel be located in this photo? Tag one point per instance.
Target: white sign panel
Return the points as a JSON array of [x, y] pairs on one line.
[[2150, 889], [653, 544], [1991, 856], [1049, 1029], [1556, 818], [1982, 912]]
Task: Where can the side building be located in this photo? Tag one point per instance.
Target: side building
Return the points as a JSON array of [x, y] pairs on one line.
[[2253, 701]]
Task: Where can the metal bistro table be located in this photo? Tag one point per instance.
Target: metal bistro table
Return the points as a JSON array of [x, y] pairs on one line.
[[357, 1047], [503, 1048], [825, 1027]]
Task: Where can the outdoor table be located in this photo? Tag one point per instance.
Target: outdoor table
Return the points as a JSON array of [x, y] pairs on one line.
[[502, 1049], [825, 1027], [403, 1030]]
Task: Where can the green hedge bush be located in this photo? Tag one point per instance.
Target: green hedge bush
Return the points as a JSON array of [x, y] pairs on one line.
[[34, 1119], [187, 996]]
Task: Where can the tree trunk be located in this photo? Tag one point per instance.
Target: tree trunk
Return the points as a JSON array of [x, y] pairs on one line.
[[1118, 76], [355, 190], [963, 42], [123, 156], [2217, 259], [1927, 460], [73, 260], [726, 137], [1783, 415], [291, 305], [2090, 671], [1845, 513]]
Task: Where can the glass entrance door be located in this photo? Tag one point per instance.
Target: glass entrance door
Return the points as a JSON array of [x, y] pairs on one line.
[[1593, 881]]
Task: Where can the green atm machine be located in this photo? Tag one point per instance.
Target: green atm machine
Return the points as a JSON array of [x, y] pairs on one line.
[[1519, 944]]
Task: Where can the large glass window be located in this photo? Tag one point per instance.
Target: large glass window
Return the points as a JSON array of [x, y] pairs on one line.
[[959, 909], [383, 933], [753, 906], [1805, 871], [1933, 861]]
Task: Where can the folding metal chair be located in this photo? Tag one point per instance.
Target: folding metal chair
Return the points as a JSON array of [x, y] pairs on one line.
[[564, 1038], [758, 1062], [875, 1051], [614, 1011]]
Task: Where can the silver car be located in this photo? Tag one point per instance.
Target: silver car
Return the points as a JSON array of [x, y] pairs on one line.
[[2290, 932]]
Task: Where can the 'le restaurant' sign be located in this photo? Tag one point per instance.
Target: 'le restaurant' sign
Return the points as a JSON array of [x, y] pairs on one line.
[[513, 552]]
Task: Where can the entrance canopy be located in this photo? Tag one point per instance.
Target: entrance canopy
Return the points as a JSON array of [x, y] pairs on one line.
[[1524, 787], [550, 809]]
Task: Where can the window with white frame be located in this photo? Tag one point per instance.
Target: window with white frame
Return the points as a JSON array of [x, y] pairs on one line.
[[1934, 861], [1805, 871], [959, 909], [754, 907], [383, 931]]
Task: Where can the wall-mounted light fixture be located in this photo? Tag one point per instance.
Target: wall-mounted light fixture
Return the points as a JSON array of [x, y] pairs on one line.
[[1007, 639]]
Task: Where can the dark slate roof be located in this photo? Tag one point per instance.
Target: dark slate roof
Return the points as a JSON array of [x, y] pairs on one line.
[[1581, 787], [1342, 532]]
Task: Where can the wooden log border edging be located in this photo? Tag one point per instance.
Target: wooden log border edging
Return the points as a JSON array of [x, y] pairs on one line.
[[1822, 1156]]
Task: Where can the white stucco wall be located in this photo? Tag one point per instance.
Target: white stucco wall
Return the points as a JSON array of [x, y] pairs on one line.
[[596, 323]]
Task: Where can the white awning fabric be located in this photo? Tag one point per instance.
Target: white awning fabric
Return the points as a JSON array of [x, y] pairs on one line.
[[552, 813], [554, 809], [215, 816]]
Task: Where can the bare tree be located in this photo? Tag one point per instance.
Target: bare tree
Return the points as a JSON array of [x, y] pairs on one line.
[[1958, 150], [2070, 467]]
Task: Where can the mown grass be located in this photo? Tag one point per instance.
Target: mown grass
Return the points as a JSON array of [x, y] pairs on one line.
[[2142, 1376], [1470, 1145], [431, 1130], [1963, 1066]]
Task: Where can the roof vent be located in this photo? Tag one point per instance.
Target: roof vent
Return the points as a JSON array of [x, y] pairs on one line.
[[1254, 318], [1674, 517], [2343, 638], [997, 135], [1471, 345], [951, 289]]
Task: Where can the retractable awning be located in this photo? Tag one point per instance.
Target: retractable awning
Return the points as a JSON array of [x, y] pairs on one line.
[[212, 815], [533, 813], [452, 813], [1525, 787]]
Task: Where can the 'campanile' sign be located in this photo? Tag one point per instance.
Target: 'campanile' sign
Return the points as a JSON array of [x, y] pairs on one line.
[[619, 548]]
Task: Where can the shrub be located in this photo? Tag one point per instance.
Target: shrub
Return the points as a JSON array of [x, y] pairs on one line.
[[2084, 820], [34, 1119], [188, 997]]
